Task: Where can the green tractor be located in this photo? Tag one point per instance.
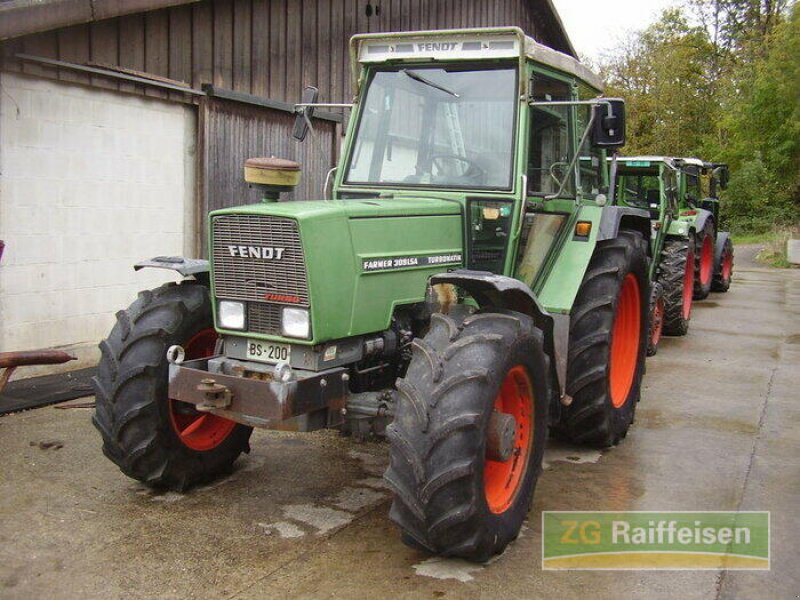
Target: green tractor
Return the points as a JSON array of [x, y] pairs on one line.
[[652, 183], [700, 183], [465, 286]]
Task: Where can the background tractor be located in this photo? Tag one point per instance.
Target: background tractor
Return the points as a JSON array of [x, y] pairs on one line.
[[652, 183], [464, 286], [700, 183]]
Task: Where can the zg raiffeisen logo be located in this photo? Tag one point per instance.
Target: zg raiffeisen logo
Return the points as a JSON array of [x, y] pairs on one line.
[[655, 540]]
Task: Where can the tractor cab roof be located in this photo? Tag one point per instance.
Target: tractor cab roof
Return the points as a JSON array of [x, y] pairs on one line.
[[463, 44]]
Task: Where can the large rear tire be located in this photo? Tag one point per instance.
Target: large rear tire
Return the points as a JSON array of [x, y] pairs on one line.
[[723, 270], [676, 275], [161, 442], [607, 343], [449, 496], [704, 260]]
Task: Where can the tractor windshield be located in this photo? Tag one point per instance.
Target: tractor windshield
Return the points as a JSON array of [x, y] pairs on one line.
[[436, 126]]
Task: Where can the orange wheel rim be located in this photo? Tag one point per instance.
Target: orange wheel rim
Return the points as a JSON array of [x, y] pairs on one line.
[[706, 260], [196, 430], [501, 480], [688, 286], [625, 337], [658, 322]]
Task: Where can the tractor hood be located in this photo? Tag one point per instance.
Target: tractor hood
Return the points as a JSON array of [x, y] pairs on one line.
[[361, 258]]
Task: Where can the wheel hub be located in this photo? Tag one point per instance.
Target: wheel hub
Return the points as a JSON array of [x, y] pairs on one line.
[[500, 437]]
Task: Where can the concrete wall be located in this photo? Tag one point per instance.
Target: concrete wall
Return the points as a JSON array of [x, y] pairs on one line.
[[90, 182]]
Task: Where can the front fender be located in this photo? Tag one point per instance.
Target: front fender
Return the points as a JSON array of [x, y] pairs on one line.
[[187, 267], [615, 218], [498, 292]]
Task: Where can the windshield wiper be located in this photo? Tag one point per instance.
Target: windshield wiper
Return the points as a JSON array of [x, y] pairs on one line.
[[417, 77]]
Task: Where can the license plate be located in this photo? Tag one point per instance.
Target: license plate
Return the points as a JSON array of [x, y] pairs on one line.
[[268, 352]]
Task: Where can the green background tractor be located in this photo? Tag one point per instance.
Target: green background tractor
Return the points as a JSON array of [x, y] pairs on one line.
[[652, 183], [465, 286], [700, 183]]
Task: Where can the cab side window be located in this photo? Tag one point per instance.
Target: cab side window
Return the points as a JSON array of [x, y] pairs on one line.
[[550, 139]]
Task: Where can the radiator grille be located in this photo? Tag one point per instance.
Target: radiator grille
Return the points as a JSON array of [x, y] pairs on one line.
[[264, 318], [247, 278]]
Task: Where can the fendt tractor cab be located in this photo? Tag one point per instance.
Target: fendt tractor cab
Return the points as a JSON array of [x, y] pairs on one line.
[[465, 286]]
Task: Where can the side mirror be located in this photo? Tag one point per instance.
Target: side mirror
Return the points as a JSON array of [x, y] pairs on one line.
[[304, 113], [722, 175], [609, 124]]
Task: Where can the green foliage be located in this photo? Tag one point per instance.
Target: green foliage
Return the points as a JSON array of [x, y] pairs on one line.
[[763, 127], [723, 84], [662, 73]]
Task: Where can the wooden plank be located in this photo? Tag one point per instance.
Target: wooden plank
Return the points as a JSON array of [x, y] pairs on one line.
[[294, 51], [156, 50], [324, 43], [202, 44], [223, 43], [277, 49], [104, 49], [259, 59], [309, 37], [415, 15], [339, 90], [73, 46], [405, 15], [242, 45], [131, 47], [180, 44]]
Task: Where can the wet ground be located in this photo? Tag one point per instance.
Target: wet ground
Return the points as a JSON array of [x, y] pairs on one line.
[[718, 428]]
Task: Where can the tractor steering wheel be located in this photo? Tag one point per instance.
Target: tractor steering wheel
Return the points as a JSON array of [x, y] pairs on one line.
[[473, 170]]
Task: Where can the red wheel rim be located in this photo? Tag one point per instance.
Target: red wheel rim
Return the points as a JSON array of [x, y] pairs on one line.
[[727, 265], [625, 337], [658, 322], [688, 285], [706, 260], [196, 430], [501, 480]]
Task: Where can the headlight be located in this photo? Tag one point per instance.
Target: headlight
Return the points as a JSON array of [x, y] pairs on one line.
[[231, 315], [296, 323]]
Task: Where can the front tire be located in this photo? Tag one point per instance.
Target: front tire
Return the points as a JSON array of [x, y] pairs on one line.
[[607, 343], [723, 270], [657, 305], [450, 498], [704, 261], [158, 441], [676, 275]]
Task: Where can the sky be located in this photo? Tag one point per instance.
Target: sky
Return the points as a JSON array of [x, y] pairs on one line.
[[595, 26]]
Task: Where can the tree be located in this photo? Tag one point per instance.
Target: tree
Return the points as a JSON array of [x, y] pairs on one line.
[[663, 73]]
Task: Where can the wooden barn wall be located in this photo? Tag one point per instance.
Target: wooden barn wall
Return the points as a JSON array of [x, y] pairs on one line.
[[232, 132], [270, 48]]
